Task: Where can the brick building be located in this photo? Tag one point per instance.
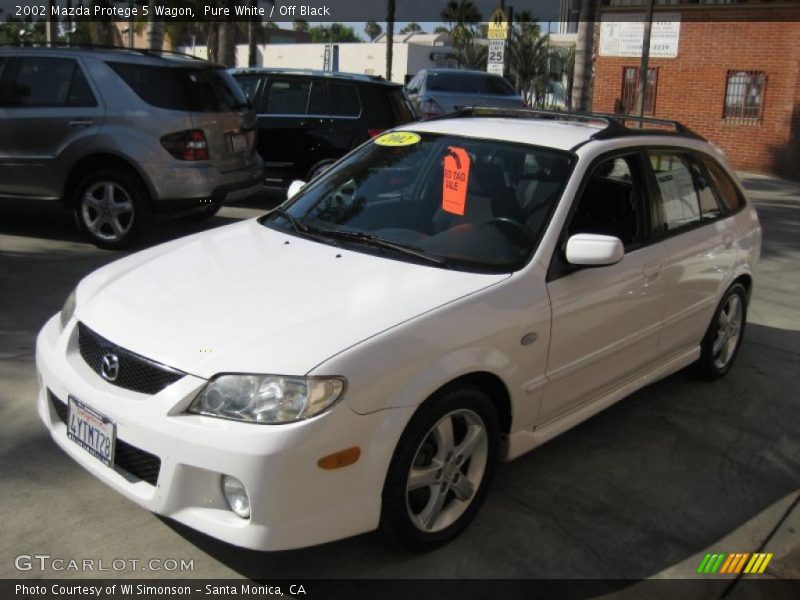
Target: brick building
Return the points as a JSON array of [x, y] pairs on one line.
[[731, 72]]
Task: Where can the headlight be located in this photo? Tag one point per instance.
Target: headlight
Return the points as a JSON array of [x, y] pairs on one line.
[[68, 309], [267, 399]]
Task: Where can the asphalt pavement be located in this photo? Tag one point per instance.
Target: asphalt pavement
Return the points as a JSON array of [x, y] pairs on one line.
[[644, 489]]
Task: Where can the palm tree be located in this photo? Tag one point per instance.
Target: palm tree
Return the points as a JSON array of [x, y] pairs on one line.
[[460, 15], [372, 29], [390, 8], [528, 58], [411, 28]]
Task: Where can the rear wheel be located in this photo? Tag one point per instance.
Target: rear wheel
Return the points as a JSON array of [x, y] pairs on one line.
[[724, 336], [441, 470], [111, 208]]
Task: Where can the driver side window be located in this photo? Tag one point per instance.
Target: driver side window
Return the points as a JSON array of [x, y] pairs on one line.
[[612, 202]]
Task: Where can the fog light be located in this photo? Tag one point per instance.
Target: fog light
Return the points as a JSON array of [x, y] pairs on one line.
[[236, 496]]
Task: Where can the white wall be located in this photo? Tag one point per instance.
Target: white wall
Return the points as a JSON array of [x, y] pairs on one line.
[[363, 58]]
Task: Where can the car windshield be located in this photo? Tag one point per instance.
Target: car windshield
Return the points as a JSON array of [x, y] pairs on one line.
[[448, 201]]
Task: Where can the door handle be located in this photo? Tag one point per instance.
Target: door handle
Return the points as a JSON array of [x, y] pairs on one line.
[[651, 270], [76, 124]]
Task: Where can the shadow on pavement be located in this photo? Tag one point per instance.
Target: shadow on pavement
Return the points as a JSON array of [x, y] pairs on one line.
[[642, 486]]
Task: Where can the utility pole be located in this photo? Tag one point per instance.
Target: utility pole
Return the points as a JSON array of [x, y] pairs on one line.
[[644, 65]]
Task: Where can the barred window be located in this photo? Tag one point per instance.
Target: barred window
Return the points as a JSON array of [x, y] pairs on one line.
[[630, 88], [744, 95]]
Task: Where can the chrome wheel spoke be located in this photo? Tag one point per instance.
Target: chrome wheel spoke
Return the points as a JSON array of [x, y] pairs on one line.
[[421, 477], [475, 435], [433, 509], [729, 328], [444, 436], [463, 489]]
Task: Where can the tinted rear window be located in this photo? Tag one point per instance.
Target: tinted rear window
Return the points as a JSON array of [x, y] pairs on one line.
[[249, 85], [343, 100], [50, 81], [454, 82], [194, 89], [402, 112], [2, 66], [471, 83]]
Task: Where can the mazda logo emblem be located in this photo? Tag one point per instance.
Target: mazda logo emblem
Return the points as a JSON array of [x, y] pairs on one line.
[[109, 367]]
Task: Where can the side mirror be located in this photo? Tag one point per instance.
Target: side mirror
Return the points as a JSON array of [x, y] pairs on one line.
[[592, 250], [294, 187]]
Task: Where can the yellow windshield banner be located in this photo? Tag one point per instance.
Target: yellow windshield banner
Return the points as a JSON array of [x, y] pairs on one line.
[[397, 138]]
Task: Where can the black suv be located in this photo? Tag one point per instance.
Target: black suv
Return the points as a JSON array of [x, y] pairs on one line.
[[309, 119]]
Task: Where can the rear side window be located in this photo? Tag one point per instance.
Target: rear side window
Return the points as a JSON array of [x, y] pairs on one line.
[[178, 88], [686, 193], [292, 96], [2, 66], [343, 100], [497, 86], [249, 85], [45, 81], [729, 195], [401, 109], [454, 82]]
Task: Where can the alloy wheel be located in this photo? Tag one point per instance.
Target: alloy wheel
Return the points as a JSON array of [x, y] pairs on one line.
[[729, 328], [447, 470], [107, 211]]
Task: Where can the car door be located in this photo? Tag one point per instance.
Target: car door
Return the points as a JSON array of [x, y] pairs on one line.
[[292, 126], [605, 320], [48, 107], [700, 244]]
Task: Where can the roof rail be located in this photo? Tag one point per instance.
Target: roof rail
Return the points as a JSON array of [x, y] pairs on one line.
[[614, 123], [81, 46]]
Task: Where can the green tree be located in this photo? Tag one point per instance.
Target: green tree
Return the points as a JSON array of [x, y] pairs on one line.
[[461, 16], [441, 29], [336, 32], [372, 29], [474, 55], [528, 57], [300, 25], [411, 28]]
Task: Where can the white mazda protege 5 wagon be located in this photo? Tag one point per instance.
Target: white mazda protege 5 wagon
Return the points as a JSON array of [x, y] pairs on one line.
[[447, 295]]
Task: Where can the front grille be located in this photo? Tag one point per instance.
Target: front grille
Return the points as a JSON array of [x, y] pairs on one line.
[[136, 372], [137, 462]]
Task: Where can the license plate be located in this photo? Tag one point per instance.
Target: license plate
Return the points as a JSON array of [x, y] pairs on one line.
[[92, 431], [239, 142]]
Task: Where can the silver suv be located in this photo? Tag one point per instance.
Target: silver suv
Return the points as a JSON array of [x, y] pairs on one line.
[[119, 135]]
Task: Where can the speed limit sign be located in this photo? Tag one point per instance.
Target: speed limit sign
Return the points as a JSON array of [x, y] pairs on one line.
[[496, 57]]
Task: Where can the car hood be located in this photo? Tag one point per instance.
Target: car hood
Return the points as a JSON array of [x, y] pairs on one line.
[[246, 298]]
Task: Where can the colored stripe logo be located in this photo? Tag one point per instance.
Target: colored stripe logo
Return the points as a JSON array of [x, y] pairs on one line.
[[734, 563]]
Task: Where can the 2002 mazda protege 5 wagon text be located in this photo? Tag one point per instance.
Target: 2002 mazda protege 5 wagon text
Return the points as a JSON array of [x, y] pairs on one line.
[[447, 295]]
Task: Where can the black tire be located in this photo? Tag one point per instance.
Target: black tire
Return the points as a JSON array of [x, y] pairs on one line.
[[711, 365], [127, 189], [400, 521]]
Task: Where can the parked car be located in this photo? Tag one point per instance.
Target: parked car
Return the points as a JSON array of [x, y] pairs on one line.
[[119, 135], [307, 120], [437, 91], [450, 294]]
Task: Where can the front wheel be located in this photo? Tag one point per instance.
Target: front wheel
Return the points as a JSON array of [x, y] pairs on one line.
[[441, 469], [110, 207], [724, 336]]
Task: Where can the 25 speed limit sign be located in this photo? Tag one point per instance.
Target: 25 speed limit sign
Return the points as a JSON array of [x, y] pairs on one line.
[[497, 50]]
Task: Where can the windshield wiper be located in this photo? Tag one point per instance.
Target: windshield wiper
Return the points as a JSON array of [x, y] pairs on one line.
[[296, 225], [379, 242]]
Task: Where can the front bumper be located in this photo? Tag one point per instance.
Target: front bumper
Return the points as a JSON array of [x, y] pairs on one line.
[[294, 503]]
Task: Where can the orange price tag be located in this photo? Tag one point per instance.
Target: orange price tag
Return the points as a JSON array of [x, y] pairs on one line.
[[456, 180]]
